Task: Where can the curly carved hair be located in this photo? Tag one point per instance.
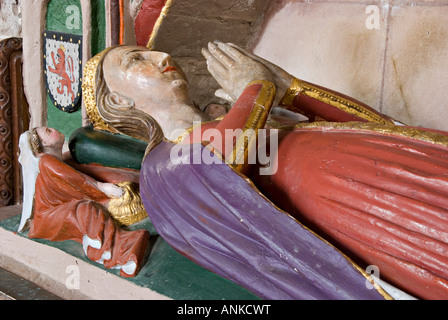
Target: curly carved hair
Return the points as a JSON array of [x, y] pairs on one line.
[[35, 142]]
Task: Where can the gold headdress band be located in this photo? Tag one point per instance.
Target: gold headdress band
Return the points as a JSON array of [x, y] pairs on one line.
[[89, 90]]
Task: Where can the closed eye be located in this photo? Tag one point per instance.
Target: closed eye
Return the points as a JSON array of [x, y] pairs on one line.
[[131, 57], [136, 57]]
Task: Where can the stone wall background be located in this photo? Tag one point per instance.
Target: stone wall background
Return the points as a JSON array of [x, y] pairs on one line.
[[398, 65], [397, 62], [10, 19]]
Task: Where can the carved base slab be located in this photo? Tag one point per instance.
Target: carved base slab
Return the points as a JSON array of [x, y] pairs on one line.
[[62, 268]]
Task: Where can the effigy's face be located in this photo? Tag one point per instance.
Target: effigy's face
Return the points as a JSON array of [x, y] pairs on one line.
[[50, 137], [139, 72]]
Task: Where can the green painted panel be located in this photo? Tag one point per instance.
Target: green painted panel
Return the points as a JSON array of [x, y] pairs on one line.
[[98, 23], [64, 16], [65, 122]]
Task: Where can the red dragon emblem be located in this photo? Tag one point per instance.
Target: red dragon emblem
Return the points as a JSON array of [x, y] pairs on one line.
[[60, 69], [63, 69]]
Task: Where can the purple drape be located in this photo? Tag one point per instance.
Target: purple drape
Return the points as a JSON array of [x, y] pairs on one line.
[[215, 217]]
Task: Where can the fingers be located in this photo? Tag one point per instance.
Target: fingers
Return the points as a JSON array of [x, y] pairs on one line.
[[266, 63], [246, 53], [231, 68], [241, 50], [226, 55], [225, 58], [216, 58], [220, 93], [218, 64], [232, 52], [214, 66]]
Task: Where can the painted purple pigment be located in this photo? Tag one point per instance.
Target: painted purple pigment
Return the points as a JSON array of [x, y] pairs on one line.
[[214, 217]]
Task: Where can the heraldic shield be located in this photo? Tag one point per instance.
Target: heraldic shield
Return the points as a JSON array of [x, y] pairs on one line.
[[63, 69]]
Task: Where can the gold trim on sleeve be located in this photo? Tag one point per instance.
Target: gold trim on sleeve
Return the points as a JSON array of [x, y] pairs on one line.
[[299, 87], [293, 91], [238, 159], [385, 129]]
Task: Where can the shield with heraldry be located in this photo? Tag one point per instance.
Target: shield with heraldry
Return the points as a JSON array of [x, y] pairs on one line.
[[63, 69]]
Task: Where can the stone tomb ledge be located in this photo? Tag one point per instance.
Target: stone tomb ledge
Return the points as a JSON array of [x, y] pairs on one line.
[[62, 269]]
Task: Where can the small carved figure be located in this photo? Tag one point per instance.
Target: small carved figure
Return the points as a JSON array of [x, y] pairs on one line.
[[61, 203]]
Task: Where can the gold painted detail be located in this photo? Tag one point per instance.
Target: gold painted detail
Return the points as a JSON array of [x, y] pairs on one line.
[[299, 87], [385, 129], [89, 91], [127, 209], [156, 28], [238, 159], [293, 91]]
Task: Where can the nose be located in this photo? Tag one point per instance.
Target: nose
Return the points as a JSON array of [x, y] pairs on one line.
[[166, 62], [163, 60]]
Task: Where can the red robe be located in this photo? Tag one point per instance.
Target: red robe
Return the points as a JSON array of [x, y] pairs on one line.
[[68, 205], [377, 191], [382, 199]]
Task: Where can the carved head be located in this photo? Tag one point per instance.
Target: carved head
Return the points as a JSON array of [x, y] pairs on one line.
[[135, 91], [46, 140], [148, 77], [112, 111]]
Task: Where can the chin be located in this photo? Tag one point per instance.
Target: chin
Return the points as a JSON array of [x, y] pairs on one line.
[[180, 83]]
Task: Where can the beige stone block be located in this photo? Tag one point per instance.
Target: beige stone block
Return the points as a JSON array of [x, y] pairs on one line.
[[329, 43], [416, 77], [10, 19], [187, 36], [190, 25], [249, 10], [181, 35]]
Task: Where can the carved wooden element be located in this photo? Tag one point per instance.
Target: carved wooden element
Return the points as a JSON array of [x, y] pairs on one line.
[[14, 119], [115, 22]]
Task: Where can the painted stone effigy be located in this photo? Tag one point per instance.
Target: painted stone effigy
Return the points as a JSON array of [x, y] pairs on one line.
[[355, 120], [401, 159], [272, 286]]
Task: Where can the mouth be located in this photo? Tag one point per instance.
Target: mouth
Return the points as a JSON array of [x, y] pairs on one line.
[[169, 69]]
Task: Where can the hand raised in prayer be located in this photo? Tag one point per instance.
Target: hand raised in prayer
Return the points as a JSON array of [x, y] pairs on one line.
[[232, 69], [280, 77]]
